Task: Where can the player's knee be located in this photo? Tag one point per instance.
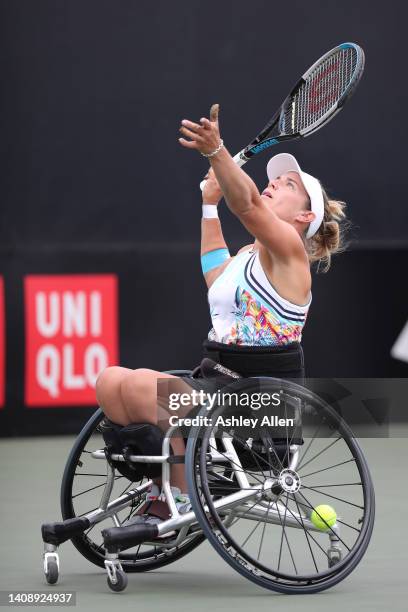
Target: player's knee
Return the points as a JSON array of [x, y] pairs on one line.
[[137, 384], [107, 382]]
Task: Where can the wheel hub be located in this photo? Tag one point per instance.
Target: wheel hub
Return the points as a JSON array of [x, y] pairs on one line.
[[289, 480]]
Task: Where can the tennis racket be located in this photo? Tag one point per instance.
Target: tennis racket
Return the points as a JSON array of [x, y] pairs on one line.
[[315, 99]]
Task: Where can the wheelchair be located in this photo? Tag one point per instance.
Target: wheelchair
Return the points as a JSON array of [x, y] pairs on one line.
[[253, 495]]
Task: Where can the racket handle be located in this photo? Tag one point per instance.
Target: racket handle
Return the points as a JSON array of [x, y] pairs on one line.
[[238, 159]]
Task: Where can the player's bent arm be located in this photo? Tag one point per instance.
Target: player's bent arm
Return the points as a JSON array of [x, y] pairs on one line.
[[214, 251], [211, 235]]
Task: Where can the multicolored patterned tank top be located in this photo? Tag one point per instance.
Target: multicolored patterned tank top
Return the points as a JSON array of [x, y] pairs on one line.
[[246, 309]]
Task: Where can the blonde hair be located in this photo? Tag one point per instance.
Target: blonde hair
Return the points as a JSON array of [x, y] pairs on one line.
[[329, 238]]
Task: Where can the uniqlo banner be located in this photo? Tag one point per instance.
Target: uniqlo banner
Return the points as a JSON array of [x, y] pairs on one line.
[[2, 343], [71, 336]]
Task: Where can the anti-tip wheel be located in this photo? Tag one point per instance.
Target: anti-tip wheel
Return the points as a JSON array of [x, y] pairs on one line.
[[51, 575], [121, 582]]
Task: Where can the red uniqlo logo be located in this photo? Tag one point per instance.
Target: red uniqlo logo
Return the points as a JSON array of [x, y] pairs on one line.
[[2, 342], [71, 336]]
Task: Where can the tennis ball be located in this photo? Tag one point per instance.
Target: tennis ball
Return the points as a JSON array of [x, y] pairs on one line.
[[323, 517]]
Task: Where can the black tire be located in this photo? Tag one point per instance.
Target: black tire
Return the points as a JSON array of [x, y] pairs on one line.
[[52, 573], [200, 475], [93, 550], [120, 584]]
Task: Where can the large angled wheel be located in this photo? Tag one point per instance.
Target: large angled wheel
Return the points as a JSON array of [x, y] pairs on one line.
[[82, 484], [269, 537]]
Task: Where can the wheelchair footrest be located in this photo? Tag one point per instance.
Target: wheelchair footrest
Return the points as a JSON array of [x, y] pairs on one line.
[[57, 533], [120, 538]]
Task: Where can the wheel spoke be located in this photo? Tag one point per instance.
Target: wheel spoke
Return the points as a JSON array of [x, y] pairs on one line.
[[253, 531], [255, 454], [263, 531], [253, 474], [340, 484], [330, 467], [286, 455], [126, 488], [311, 442], [87, 474], [345, 501], [284, 534], [99, 547], [87, 512], [305, 532], [319, 453], [90, 529], [93, 488], [245, 444], [236, 488], [246, 512], [348, 525]]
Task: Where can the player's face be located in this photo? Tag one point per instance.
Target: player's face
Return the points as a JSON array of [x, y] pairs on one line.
[[286, 195]]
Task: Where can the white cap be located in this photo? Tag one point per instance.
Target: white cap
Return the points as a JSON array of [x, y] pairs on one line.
[[284, 162]]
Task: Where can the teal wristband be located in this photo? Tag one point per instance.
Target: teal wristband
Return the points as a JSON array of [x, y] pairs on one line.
[[213, 259]]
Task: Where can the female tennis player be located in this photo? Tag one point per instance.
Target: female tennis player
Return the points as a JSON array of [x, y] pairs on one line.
[[259, 299]]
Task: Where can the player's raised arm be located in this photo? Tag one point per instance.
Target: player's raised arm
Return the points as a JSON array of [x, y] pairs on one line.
[[214, 250], [240, 192]]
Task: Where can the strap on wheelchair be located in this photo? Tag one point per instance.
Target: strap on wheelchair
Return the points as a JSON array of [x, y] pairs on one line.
[[209, 368], [176, 459], [133, 439]]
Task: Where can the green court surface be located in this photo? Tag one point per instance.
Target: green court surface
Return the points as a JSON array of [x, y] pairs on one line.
[[31, 471]]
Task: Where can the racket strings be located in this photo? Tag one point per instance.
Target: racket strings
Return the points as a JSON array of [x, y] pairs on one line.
[[320, 93]]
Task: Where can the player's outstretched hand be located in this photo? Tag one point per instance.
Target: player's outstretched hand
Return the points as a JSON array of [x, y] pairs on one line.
[[203, 136]]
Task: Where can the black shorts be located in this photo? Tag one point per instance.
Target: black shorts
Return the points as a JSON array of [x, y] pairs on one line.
[[277, 362]]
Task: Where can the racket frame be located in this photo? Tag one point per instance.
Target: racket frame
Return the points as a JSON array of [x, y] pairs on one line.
[[262, 142]]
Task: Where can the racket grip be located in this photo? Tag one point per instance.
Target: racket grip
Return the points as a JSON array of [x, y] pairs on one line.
[[238, 159]]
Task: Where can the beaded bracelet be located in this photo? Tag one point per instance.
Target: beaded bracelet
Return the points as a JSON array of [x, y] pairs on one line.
[[217, 150]]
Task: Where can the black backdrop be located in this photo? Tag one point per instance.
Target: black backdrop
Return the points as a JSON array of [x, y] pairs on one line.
[[94, 180]]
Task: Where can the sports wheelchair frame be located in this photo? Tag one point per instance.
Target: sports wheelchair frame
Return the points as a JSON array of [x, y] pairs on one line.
[[252, 498]]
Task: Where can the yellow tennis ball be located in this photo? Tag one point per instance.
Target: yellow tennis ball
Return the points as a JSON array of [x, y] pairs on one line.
[[323, 517]]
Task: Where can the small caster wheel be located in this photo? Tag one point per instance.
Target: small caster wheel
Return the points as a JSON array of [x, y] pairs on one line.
[[121, 581], [51, 574]]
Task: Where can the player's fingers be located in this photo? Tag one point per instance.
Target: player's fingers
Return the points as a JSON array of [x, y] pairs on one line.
[[191, 125], [187, 143], [189, 133], [214, 111], [206, 124]]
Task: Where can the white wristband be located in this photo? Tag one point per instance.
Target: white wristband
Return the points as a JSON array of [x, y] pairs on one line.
[[210, 211]]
